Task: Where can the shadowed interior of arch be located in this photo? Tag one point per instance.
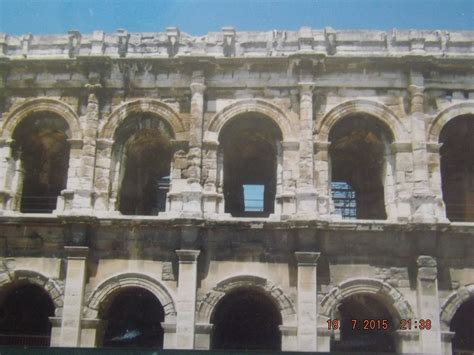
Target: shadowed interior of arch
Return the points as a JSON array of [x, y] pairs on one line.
[[462, 325], [142, 156], [42, 147], [134, 317], [353, 336], [24, 316], [359, 154], [457, 168], [246, 319], [249, 143]]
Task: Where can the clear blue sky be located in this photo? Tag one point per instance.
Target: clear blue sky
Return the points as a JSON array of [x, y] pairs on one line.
[[199, 17]]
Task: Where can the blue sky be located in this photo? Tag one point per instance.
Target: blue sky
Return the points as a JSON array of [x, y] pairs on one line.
[[199, 17]]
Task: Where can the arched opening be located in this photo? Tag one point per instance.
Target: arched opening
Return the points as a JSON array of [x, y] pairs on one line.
[[133, 319], [457, 168], [362, 326], [142, 163], [42, 147], [24, 316], [246, 320], [360, 158], [462, 325], [249, 143]]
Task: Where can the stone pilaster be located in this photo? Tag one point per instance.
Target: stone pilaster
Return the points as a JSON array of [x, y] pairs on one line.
[[92, 332], [73, 297], [402, 152], [446, 342], [187, 283], [286, 188], [422, 198], [307, 300], [211, 198], [192, 195], [306, 192], [428, 303], [102, 175], [83, 192], [6, 173], [69, 199], [323, 183], [203, 336]]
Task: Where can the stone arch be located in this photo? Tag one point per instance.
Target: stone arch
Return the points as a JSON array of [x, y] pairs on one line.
[[452, 304], [373, 108], [152, 106], [50, 286], [208, 304], [436, 125], [390, 297], [253, 105], [42, 104], [102, 292]]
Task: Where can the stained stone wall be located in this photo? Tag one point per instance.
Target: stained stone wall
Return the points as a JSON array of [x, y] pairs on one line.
[[304, 257]]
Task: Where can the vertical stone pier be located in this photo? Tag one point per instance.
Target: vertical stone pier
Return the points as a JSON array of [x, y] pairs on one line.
[[187, 285], [307, 300]]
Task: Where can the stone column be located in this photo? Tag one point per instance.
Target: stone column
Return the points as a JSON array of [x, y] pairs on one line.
[[6, 173], [403, 170], [287, 198], [423, 199], [193, 193], [55, 331], [210, 196], [307, 301], [428, 303], [73, 296], [66, 201], [91, 332], [407, 341], [446, 342], [187, 284], [306, 193], [169, 335], [434, 174], [102, 175], [203, 336], [323, 183]]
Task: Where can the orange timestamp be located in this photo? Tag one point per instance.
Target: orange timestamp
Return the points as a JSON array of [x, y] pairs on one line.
[[382, 324]]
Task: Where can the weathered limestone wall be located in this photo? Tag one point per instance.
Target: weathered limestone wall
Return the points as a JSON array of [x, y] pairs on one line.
[[303, 257]]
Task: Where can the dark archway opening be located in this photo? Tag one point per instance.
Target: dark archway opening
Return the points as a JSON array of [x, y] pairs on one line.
[[357, 339], [457, 168], [249, 143], [143, 146], [41, 144], [462, 325], [358, 159], [24, 316], [246, 320], [133, 319]]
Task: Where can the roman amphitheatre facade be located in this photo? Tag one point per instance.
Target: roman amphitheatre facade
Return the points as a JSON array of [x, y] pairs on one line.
[[307, 190]]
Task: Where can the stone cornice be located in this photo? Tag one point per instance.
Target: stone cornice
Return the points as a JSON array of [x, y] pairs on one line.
[[229, 43]]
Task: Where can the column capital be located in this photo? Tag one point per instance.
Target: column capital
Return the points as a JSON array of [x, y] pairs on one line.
[[6, 142], [416, 89], [198, 88], [306, 87], [186, 256], [426, 261], [287, 145], [427, 268], [307, 258]]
